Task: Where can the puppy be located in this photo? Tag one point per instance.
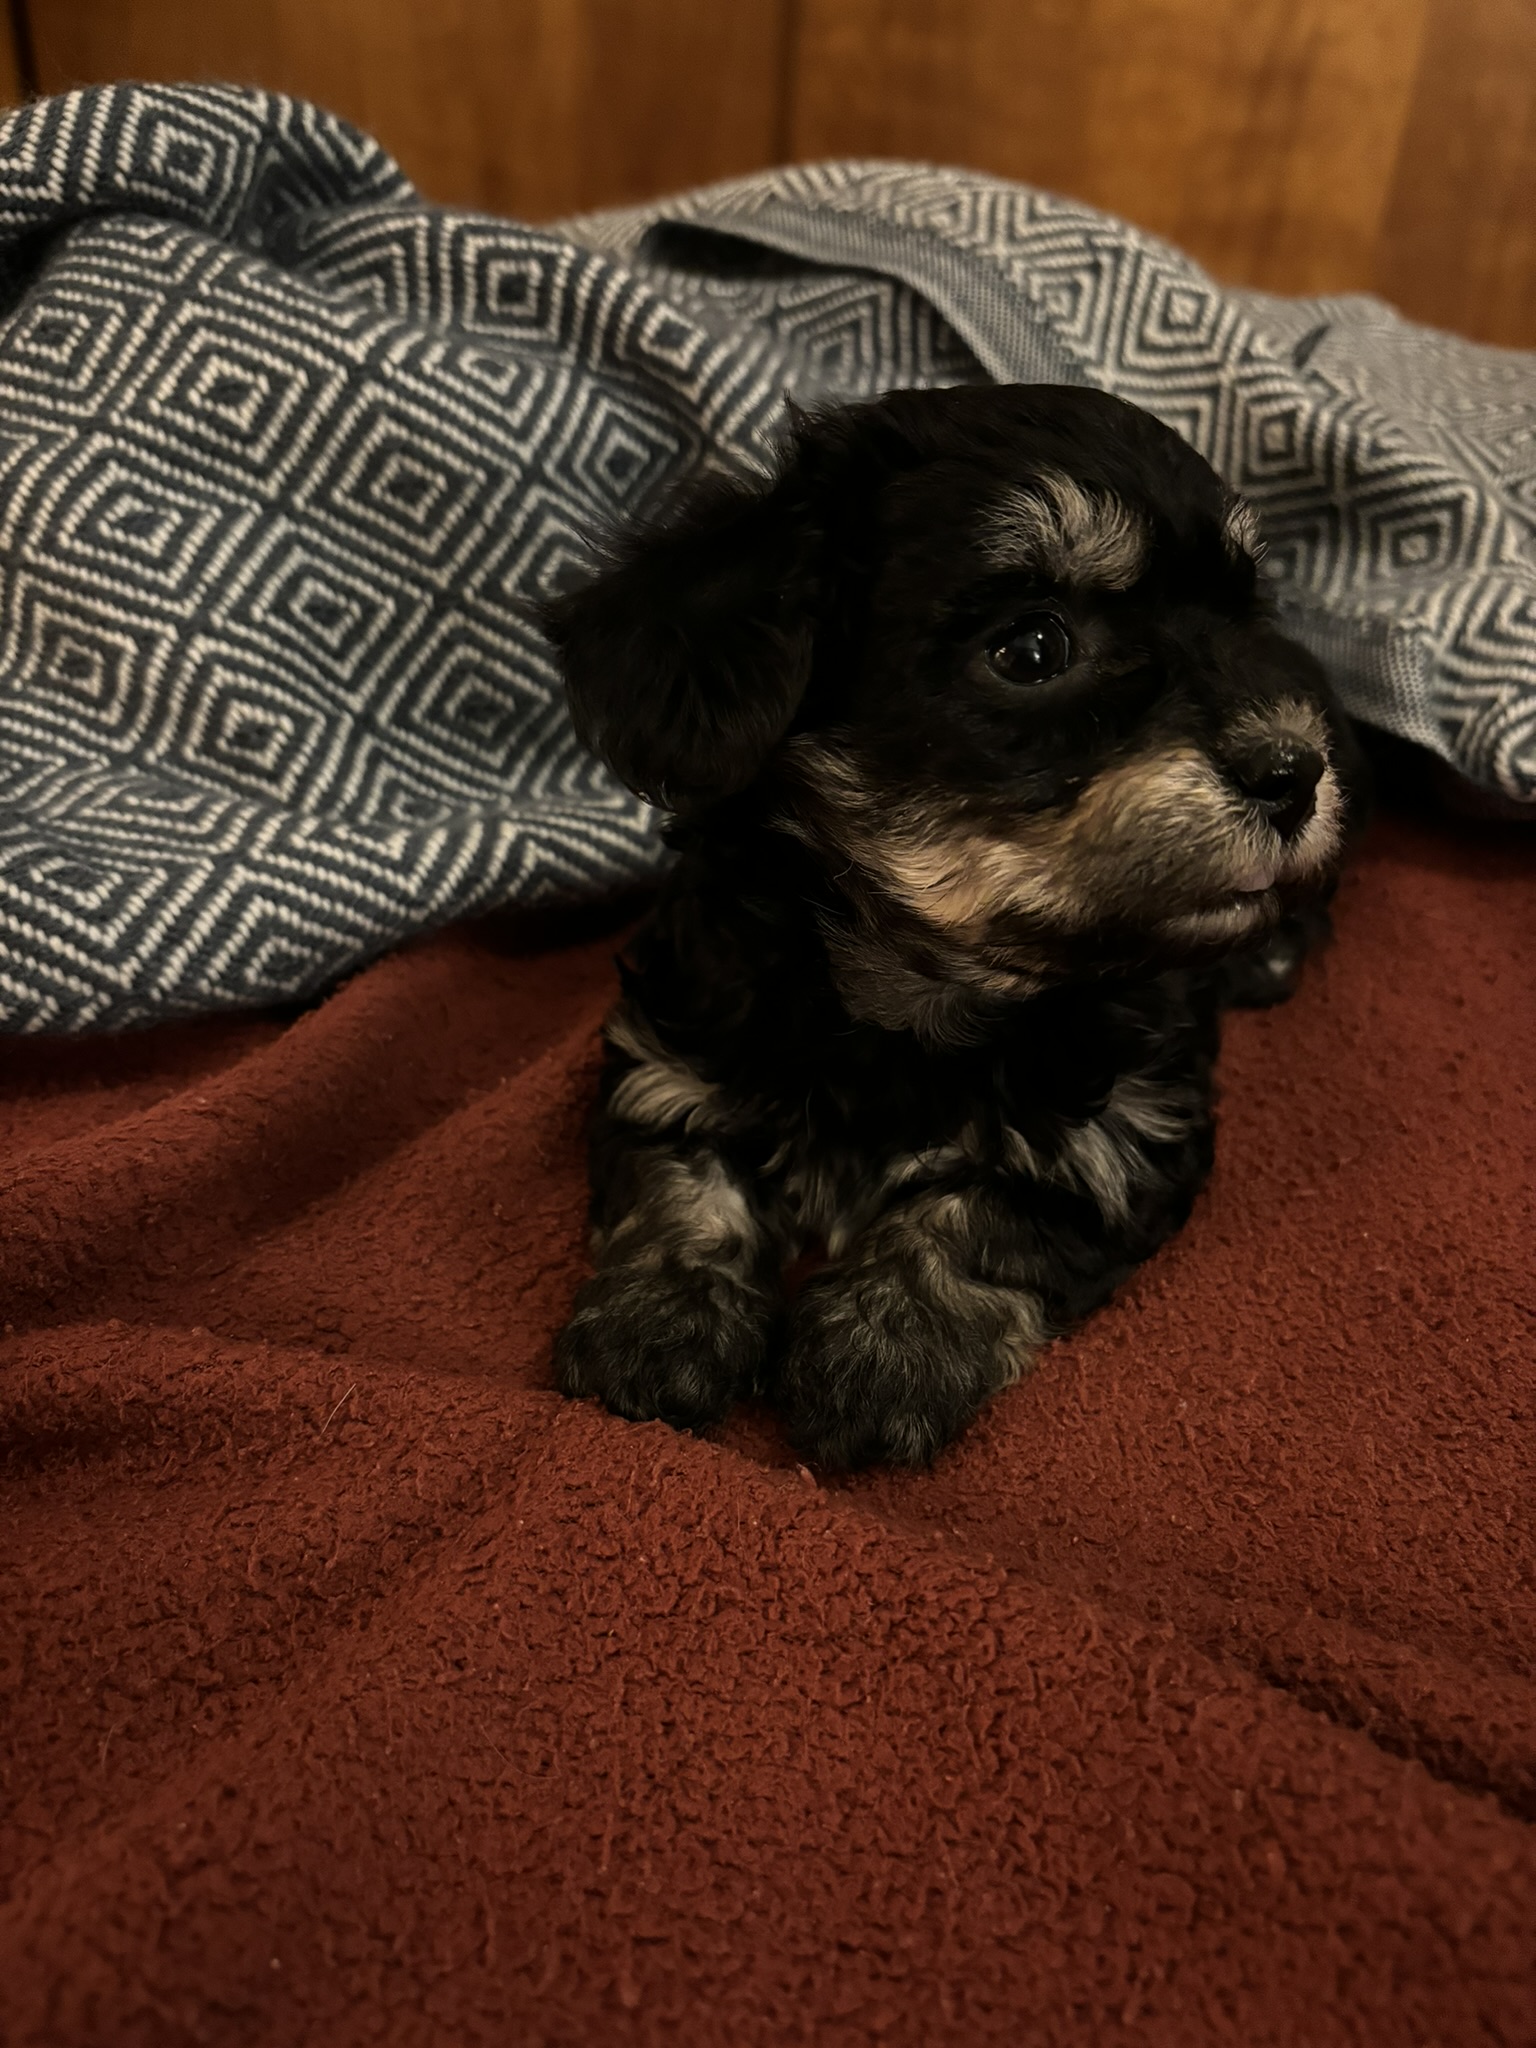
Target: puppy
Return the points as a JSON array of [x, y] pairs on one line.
[[990, 780]]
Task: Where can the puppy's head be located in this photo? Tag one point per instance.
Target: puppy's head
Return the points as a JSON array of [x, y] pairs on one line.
[[1001, 658]]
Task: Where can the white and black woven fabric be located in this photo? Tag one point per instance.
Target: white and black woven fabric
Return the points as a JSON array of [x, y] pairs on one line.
[[284, 451]]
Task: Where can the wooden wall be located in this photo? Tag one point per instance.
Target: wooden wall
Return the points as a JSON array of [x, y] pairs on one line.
[[1303, 145]]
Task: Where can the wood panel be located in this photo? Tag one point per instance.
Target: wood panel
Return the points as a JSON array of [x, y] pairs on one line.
[[527, 107], [1261, 135], [12, 89], [1459, 241]]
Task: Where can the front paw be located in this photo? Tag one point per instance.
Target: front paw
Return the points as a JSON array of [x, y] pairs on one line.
[[1265, 974], [875, 1374], [678, 1343]]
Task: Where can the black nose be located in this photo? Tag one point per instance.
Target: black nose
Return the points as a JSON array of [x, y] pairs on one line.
[[1280, 775]]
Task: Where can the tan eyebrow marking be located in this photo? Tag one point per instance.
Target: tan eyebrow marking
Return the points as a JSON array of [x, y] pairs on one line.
[[1240, 531], [1075, 535]]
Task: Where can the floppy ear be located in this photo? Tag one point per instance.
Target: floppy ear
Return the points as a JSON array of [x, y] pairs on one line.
[[687, 655]]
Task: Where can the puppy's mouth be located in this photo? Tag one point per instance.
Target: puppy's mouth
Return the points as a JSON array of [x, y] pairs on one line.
[[1258, 878], [1250, 902], [1266, 876], [1239, 914]]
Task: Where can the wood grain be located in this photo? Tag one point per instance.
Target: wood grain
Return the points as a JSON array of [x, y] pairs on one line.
[[11, 90], [527, 107], [1459, 240], [1259, 134]]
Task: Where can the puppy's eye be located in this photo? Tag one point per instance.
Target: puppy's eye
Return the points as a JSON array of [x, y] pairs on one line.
[[1035, 648]]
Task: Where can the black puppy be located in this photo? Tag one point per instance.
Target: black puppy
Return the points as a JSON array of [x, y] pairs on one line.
[[991, 781]]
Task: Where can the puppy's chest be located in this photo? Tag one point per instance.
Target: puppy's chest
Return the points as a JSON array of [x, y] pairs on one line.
[[830, 1135], [834, 1169]]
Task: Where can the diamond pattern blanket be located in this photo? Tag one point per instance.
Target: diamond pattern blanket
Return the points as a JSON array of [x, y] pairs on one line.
[[284, 452]]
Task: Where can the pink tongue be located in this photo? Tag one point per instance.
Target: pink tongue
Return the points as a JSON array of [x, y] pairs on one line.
[[1255, 880]]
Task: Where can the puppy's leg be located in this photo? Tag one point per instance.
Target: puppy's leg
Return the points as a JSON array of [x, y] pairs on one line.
[[894, 1349], [1262, 975], [674, 1323]]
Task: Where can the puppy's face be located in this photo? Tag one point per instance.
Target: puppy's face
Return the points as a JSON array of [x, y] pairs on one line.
[[1000, 657], [1063, 734]]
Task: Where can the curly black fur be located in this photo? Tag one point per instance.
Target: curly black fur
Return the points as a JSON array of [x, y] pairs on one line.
[[991, 780]]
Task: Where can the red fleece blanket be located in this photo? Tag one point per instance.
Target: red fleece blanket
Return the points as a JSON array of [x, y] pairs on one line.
[[358, 1689]]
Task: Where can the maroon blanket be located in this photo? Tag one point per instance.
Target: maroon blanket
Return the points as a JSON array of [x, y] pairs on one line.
[[354, 1688]]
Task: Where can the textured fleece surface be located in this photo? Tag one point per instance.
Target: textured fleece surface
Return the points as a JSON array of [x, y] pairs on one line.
[[356, 1689]]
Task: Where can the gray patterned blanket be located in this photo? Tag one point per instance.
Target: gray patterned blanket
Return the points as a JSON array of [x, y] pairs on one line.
[[284, 451]]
